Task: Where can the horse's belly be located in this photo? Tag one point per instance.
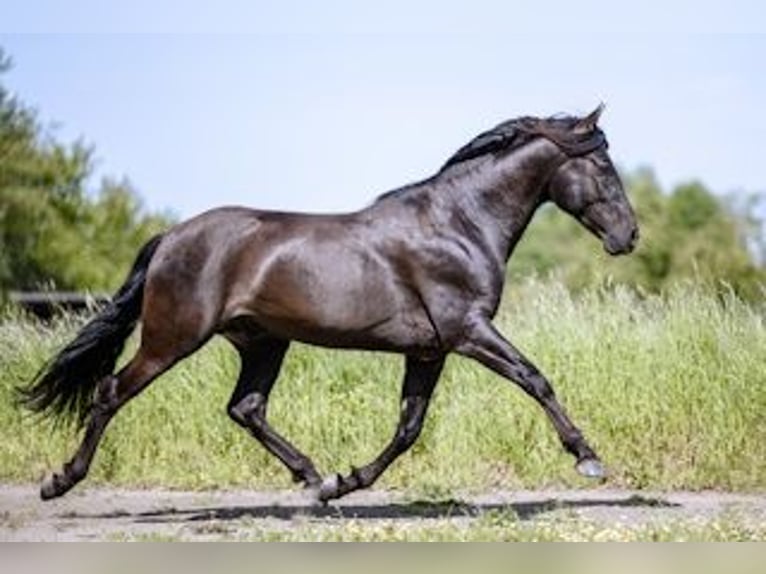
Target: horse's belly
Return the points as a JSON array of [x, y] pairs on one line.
[[347, 302]]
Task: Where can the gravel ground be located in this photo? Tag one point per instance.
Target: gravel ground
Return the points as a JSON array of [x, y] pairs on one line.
[[119, 514]]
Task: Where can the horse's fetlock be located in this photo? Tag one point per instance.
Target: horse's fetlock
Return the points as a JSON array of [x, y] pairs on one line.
[[75, 471]]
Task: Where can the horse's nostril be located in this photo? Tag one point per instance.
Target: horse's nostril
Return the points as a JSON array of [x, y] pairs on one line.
[[634, 236]]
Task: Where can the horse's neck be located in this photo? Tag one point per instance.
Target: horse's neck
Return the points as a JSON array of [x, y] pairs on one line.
[[500, 197]]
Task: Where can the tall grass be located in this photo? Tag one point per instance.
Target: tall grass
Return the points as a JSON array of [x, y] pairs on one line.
[[670, 390]]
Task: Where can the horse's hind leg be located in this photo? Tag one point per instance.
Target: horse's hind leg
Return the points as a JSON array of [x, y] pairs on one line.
[[111, 393], [261, 361], [419, 381]]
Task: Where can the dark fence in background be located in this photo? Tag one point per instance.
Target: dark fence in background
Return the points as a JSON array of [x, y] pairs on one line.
[[46, 304]]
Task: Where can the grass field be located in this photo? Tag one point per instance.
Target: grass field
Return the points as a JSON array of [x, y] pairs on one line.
[[671, 391]]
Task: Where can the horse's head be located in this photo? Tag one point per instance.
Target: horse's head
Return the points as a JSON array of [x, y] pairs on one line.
[[586, 185]]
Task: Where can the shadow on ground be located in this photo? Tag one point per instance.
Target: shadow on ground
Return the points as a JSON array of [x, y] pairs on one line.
[[404, 511]]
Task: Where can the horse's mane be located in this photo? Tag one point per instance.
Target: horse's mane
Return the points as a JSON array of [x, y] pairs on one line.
[[517, 132], [512, 134]]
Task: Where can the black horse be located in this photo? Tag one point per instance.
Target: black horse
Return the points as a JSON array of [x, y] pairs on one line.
[[419, 272]]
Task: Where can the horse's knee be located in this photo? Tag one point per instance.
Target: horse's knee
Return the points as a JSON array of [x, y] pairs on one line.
[[540, 387], [238, 413], [248, 410]]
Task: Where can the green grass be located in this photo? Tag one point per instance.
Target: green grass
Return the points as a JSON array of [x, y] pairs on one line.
[[670, 390]]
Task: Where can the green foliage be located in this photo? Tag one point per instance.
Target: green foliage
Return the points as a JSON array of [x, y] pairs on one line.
[[686, 234], [52, 232], [669, 389]]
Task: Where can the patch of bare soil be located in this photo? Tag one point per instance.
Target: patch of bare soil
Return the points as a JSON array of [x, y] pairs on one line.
[[117, 514]]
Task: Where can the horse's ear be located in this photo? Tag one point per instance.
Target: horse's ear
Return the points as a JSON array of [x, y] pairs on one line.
[[589, 122]]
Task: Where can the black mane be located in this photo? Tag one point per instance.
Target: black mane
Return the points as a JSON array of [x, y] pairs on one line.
[[512, 134]]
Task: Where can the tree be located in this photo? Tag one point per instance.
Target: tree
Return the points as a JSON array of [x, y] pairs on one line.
[[53, 233]]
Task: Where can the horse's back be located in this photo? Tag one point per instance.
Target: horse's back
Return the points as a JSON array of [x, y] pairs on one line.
[[318, 278]]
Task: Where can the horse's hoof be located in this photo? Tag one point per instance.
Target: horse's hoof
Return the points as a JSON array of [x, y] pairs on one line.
[[329, 488], [52, 487], [591, 468]]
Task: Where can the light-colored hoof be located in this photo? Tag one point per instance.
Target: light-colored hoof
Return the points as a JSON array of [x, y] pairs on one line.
[[51, 487], [591, 468], [329, 488]]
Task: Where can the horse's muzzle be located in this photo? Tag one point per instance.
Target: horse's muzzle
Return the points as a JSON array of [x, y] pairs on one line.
[[615, 245]]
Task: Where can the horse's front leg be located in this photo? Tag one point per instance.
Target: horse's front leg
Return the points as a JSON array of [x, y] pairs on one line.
[[486, 345], [420, 378]]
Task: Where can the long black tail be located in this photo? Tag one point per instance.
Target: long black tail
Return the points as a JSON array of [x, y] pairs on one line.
[[64, 387]]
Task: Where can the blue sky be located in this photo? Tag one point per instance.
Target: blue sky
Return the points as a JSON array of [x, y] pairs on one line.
[[326, 121]]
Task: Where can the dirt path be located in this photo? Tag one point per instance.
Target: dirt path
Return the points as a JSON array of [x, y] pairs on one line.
[[116, 514]]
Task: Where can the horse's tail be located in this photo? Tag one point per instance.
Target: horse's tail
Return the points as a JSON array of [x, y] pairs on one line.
[[64, 387]]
